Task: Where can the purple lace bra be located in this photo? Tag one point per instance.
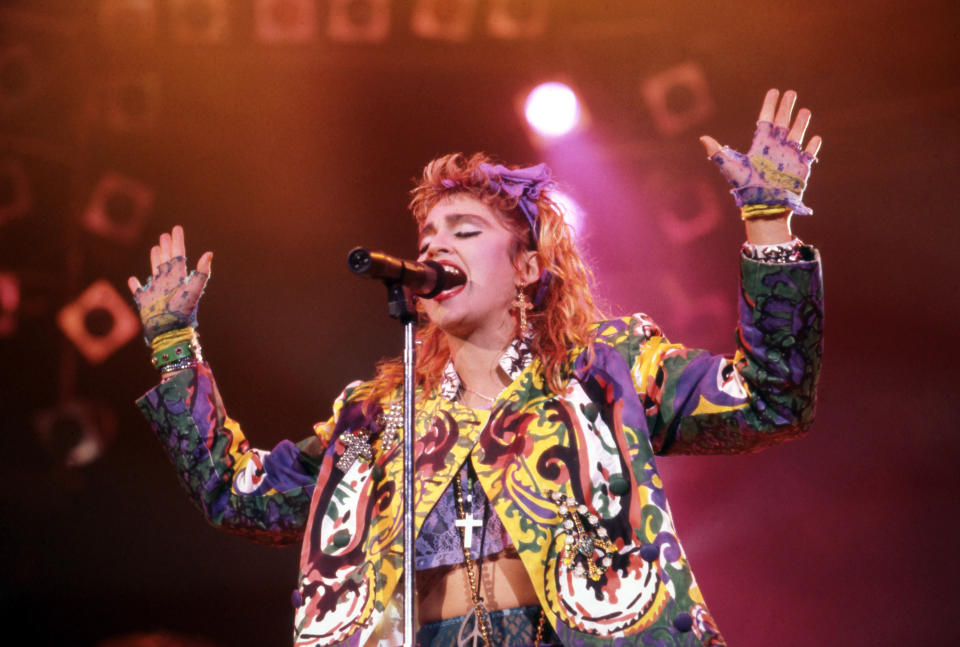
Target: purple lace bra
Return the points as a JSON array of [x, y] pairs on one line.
[[440, 542]]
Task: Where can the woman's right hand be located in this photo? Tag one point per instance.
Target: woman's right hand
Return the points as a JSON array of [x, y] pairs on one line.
[[169, 299]]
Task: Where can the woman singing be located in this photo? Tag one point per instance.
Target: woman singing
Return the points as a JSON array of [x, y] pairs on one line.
[[540, 515]]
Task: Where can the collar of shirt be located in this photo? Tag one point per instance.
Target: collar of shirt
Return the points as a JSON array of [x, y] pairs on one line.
[[515, 358]]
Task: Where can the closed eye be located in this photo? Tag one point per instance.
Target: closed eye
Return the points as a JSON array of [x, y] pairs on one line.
[[460, 234]]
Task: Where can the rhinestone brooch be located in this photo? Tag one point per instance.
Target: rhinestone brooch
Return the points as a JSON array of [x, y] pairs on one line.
[[358, 446], [390, 421], [587, 549]]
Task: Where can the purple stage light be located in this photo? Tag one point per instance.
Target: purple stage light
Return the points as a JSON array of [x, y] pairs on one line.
[[569, 209], [552, 109]]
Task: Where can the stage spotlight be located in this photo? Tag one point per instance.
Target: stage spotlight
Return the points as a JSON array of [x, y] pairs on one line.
[[98, 322], [9, 303], [517, 19], [359, 21], [443, 19], [75, 432], [678, 98], [199, 21], [285, 21], [552, 109], [128, 21], [16, 198], [118, 208], [19, 77]]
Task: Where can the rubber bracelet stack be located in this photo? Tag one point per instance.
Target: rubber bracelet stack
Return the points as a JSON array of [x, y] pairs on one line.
[[176, 350], [750, 211]]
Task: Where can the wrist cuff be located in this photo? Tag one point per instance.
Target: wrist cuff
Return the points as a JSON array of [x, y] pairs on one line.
[[176, 349]]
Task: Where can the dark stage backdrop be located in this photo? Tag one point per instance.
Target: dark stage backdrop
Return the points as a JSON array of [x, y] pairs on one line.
[[281, 139]]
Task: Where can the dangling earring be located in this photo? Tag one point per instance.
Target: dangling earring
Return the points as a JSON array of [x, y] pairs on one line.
[[522, 305]]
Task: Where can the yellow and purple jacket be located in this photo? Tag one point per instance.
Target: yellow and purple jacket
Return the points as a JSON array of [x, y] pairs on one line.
[[571, 474]]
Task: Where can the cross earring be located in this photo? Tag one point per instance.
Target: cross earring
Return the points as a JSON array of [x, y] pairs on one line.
[[522, 305]]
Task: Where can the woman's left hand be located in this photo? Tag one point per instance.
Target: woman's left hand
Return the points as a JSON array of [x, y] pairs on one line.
[[775, 170]]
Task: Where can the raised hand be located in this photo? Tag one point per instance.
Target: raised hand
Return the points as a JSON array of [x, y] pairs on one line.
[[774, 172], [169, 299]]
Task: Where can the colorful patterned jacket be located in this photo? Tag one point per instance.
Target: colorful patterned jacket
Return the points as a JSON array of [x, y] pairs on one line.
[[571, 475]]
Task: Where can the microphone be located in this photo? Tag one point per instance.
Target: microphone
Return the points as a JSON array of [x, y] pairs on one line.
[[427, 279]]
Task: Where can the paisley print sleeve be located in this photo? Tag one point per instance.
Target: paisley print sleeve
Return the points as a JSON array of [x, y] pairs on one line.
[[264, 495], [698, 403]]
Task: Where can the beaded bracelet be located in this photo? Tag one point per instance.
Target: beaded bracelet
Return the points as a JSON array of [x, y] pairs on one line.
[[189, 362], [788, 252]]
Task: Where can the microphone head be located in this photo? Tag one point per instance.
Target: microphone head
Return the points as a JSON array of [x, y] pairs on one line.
[[454, 276], [359, 260], [447, 277]]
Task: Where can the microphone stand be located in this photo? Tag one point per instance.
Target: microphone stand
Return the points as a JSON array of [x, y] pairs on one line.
[[399, 308]]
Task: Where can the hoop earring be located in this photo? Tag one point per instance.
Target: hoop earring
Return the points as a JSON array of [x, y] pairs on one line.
[[521, 304]]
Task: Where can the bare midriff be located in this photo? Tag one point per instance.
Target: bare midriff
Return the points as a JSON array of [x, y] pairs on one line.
[[444, 592]]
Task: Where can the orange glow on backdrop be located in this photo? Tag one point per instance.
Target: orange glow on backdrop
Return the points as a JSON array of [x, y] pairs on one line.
[[282, 134]]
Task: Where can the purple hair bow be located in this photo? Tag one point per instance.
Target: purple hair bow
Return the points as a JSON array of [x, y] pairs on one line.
[[526, 185]]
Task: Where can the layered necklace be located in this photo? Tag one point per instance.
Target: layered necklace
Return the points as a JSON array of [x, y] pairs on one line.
[[481, 628], [481, 625], [481, 621]]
